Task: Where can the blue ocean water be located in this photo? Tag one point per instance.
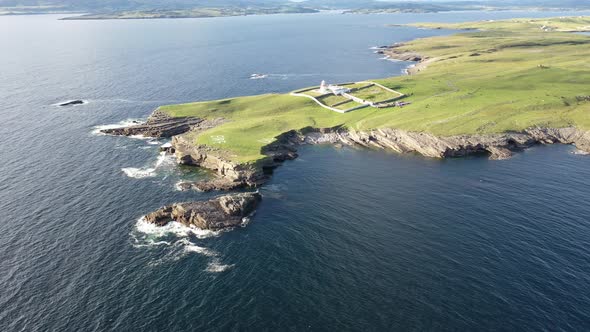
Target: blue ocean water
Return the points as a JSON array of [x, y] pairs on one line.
[[346, 239]]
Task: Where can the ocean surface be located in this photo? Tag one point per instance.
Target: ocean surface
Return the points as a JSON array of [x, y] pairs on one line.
[[345, 239]]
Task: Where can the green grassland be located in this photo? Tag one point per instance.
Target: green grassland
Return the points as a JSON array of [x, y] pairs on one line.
[[504, 76], [374, 93], [331, 100]]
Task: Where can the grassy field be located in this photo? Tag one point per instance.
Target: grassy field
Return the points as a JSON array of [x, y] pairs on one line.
[[505, 76], [331, 100], [348, 105], [374, 93]]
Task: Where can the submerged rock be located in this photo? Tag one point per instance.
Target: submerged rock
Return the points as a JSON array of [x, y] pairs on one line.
[[215, 214]]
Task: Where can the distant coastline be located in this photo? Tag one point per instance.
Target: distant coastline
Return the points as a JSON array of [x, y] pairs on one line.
[[192, 13], [77, 12]]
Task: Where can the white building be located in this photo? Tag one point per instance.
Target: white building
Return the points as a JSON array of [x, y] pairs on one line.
[[335, 89], [324, 87]]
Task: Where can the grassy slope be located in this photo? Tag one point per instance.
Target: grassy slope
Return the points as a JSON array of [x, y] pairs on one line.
[[500, 89]]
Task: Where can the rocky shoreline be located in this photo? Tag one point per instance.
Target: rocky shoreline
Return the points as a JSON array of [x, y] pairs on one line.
[[396, 52], [232, 175], [230, 210]]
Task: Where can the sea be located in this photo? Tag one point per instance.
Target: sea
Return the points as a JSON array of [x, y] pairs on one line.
[[345, 239]]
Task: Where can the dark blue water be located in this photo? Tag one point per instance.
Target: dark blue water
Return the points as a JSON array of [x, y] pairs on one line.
[[345, 239]]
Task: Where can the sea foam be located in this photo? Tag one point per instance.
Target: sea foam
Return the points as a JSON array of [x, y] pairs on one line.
[[215, 266], [146, 172], [173, 228]]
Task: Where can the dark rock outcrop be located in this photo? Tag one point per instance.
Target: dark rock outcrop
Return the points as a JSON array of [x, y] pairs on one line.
[[397, 53], [72, 103], [215, 214], [161, 125], [210, 185]]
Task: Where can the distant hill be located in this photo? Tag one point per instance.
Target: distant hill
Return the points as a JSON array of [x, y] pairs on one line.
[[139, 4], [112, 6]]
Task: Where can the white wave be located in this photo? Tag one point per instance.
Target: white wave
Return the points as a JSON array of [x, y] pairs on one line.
[[150, 243], [215, 266], [581, 152], [139, 173], [245, 221], [97, 130], [199, 250], [154, 142], [258, 76], [178, 185], [146, 172], [173, 228]]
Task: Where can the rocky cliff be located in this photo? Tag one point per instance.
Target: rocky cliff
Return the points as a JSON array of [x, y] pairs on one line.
[[497, 146], [222, 212], [230, 174]]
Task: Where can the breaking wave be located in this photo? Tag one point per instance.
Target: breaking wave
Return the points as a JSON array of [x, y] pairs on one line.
[[216, 266], [146, 172], [173, 228], [178, 242]]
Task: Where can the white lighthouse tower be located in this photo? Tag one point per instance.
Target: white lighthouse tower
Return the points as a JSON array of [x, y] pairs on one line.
[[324, 87]]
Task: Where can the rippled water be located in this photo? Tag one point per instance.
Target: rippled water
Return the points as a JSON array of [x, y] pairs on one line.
[[345, 238]]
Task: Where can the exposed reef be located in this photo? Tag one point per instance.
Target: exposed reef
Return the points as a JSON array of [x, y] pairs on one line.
[[219, 213], [161, 125]]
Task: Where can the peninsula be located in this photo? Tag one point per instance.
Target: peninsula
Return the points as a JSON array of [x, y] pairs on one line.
[[495, 88]]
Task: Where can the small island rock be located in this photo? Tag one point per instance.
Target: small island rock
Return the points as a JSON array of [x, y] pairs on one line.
[[222, 212], [72, 103]]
